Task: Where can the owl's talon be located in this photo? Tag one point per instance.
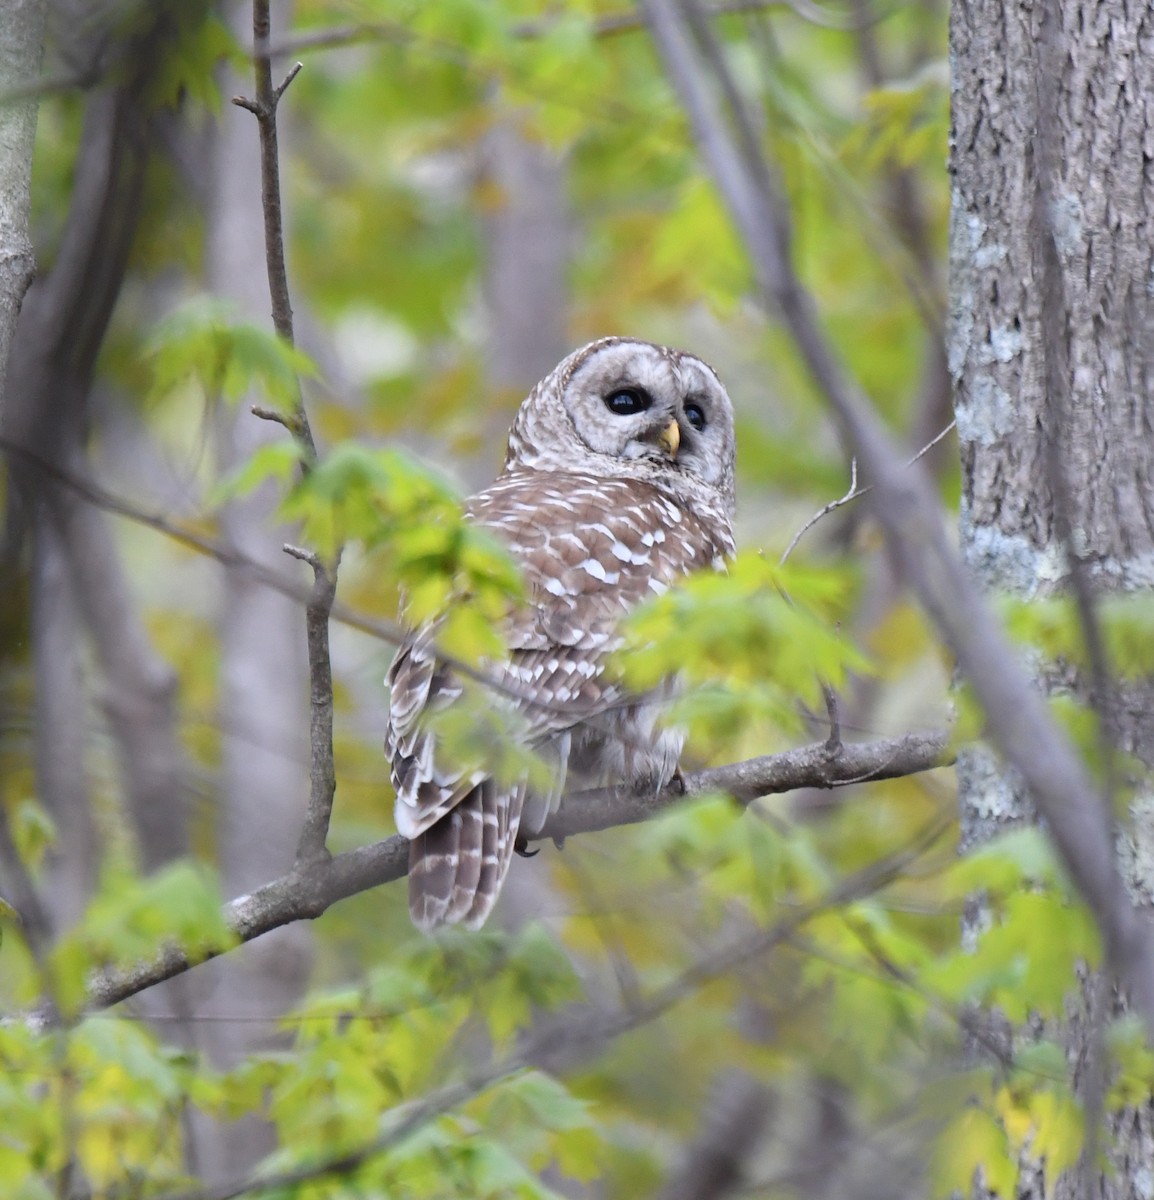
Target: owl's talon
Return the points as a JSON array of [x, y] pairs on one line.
[[521, 847], [559, 842], [677, 782]]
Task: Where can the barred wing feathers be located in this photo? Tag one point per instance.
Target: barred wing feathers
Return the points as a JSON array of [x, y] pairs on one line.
[[590, 549]]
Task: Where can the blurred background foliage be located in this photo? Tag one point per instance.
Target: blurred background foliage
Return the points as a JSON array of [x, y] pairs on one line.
[[639, 985]]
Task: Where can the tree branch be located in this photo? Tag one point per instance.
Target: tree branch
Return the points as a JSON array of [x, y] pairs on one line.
[[909, 512], [310, 889], [322, 768]]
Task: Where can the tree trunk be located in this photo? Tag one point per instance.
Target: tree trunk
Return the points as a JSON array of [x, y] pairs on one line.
[[21, 50], [526, 257], [1049, 348]]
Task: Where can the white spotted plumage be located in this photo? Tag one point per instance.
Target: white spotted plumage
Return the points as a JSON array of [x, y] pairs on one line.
[[602, 509]]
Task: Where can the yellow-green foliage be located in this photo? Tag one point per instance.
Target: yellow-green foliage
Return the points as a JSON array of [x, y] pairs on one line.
[[711, 939]]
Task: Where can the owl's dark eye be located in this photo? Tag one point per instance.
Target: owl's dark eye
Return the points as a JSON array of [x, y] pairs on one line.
[[627, 401], [695, 415]]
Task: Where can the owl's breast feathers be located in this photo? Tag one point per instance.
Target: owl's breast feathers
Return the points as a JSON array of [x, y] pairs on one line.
[[590, 549]]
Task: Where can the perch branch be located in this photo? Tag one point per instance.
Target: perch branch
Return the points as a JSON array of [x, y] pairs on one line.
[[311, 888]]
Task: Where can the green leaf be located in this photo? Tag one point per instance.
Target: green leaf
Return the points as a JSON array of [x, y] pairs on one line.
[[749, 644], [132, 919], [191, 60], [1024, 855], [33, 832], [974, 1142], [205, 344], [542, 1099], [278, 461], [1058, 1133]]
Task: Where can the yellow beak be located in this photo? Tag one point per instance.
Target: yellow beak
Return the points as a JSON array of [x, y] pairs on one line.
[[669, 439]]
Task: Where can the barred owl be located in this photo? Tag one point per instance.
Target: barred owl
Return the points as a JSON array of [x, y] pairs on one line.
[[618, 481]]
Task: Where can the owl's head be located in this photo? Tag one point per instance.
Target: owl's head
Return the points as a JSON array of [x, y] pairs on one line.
[[624, 408]]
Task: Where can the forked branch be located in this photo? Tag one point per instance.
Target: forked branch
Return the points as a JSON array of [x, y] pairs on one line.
[[322, 769]]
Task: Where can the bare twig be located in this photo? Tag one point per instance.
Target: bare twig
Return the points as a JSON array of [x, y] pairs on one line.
[[1019, 720], [833, 743], [282, 87], [932, 443], [264, 108], [273, 415], [855, 492], [311, 888], [852, 494]]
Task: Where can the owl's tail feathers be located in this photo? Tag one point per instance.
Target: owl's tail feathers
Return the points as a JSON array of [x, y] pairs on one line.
[[457, 865]]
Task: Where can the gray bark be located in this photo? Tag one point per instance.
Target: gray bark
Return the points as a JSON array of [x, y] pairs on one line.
[[21, 51], [716, 1164], [1050, 351], [1101, 224]]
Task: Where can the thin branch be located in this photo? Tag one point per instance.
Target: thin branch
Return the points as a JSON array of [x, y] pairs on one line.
[[230, 556], [1019, 720], [311, 888], [271, 414], [852, 494], [833, 743], [855, 493], [322, 768], [933, 442], [282, 87], [265, 110]]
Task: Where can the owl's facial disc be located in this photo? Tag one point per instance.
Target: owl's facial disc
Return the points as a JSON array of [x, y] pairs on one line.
[[644, 404], [620, 407]]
